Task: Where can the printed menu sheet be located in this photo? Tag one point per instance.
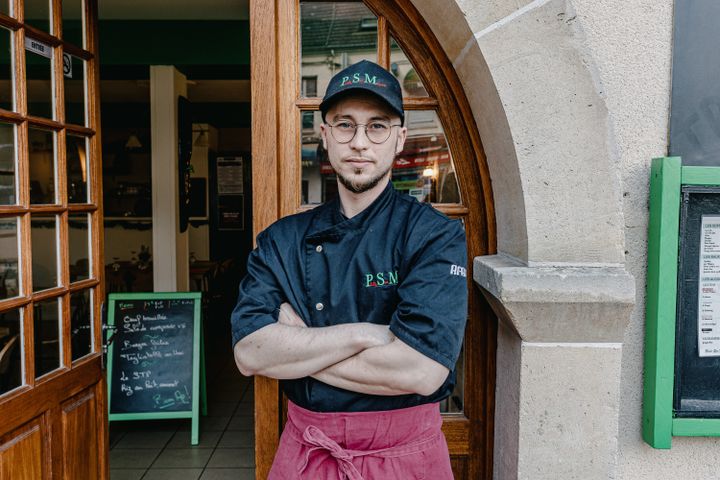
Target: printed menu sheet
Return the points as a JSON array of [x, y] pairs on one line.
[[709, 288]]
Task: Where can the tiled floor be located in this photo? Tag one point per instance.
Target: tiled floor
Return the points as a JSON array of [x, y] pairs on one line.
[[159, 450]]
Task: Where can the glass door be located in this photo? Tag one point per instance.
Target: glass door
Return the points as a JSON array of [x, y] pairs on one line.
[[50, 241]]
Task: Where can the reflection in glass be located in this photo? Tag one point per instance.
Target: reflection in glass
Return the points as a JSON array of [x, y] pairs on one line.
[[46, 320], [72, 22], [11, 355], [43, 231], [454, 403], [9, 279], [79, 243], [6, 70], [424, 168], [405, 72], [77, 169], [7, 165], [318, 178], [42, 166], [74, 77], [39, 79], [333, 36], [80, 324], [37, 14]]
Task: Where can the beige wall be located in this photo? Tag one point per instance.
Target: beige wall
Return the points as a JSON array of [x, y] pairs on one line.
[[571, 99]]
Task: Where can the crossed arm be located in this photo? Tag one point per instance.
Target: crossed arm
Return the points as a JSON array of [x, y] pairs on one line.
[[361, 357]]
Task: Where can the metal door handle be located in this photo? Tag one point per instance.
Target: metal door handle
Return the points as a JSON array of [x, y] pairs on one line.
[[107, 340]]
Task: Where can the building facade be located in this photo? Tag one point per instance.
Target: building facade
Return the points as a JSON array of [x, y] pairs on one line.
[[534, 121]]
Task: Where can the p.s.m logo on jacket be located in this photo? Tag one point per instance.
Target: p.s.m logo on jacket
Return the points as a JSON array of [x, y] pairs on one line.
[[381, 279]]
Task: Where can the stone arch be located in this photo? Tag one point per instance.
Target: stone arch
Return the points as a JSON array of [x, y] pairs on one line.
[[540, 112], [559, 284]]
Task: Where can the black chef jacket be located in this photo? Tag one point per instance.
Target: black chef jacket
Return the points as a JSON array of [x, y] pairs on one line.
[[398, 262]]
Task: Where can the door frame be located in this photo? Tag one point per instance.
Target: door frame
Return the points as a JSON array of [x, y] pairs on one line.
[[276, 193]]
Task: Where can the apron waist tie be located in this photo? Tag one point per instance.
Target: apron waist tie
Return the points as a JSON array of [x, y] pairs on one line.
[[317, 440]]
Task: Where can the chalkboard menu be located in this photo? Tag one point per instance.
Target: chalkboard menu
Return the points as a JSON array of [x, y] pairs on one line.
[[155, 358], [697, 357]]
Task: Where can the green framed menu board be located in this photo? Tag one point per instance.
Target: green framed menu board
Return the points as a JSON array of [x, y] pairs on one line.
[[155, 363], [681, 394]]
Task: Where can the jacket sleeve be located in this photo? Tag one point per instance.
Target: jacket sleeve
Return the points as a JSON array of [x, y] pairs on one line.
[[433, 296], [260, 295]]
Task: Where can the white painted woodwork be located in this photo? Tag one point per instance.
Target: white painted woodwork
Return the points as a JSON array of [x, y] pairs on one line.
[[170, 248]]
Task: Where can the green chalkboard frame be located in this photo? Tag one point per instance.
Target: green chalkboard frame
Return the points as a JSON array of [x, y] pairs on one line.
[[667, 177], [199, 395]]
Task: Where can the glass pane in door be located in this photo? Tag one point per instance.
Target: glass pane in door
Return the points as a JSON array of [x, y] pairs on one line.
[[7, 75], [316, 170], [77, 168], [333, 35], [424, 169], [72, 22], [79, 243], [38, 64], [6, 7], [8, 160], [37, 14], [455, 402], [11, 351], [46, 320], [9, 272], [405, 72], [44, 252], [42, 166], [80, 324], [74, 77]]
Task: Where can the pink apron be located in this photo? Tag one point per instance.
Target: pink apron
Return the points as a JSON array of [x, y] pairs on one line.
[[400, 444]]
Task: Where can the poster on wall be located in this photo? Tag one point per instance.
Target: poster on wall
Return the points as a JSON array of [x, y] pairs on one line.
[[230, 176], [230, 210], [709, 288]]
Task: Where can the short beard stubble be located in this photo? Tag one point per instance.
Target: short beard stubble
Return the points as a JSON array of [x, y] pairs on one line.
[[356, 187]]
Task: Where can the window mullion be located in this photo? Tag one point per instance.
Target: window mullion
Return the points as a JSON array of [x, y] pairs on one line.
[[383, 53]]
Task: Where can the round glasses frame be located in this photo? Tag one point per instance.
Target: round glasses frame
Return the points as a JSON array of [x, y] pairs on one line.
[[372, 135]]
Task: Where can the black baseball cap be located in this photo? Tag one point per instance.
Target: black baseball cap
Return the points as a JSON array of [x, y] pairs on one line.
[[369, 77]]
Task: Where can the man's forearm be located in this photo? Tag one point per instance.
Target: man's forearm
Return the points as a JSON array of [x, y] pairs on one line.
[[284, 352], [392, 369]]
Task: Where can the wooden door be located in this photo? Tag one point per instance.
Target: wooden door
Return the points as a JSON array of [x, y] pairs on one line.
[[296, 46], [52, 392]]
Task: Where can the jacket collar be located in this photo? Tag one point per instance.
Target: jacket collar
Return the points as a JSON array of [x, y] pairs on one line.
[[330, 221]]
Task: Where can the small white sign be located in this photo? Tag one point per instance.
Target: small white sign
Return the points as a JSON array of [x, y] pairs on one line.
[[229, 175], [36, 46], [67, 65], [709, 287]]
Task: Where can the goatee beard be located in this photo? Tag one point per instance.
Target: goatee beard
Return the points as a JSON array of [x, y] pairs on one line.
[[357, 187]]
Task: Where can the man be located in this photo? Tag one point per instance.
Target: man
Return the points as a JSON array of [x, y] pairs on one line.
[[358, 306]]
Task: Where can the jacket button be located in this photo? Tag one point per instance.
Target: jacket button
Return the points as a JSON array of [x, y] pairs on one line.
[[318, 248], [319, 306]]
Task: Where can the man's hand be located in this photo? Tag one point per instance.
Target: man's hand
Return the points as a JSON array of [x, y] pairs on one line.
[[392, 369], [288, 316]]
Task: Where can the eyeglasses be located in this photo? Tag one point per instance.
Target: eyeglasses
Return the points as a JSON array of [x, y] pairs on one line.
[[377, 131]]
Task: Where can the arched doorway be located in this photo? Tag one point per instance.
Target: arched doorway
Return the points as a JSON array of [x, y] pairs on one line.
[[284, 101]]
